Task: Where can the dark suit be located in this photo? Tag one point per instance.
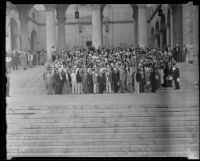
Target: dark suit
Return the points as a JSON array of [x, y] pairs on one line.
[[176, 75], [115, 79], [90, 83], [177, 53], [153, 80], [102, 82]]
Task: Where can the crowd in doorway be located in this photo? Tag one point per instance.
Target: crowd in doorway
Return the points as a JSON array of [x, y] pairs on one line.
[[111, 70]]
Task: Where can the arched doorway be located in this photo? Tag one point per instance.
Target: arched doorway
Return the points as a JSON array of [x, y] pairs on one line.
[[157, 36], [14, 34], [33, 40], [163, 32]]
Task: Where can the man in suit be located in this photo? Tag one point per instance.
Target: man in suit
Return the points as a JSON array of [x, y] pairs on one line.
[[85, 76], [177, 53], [90, 81], [74, 82], [108, 80], [115, 78], [122, 79], [95, 82], [101, 81], [176, 77], [79, 81], [138, 78], [184, 53]]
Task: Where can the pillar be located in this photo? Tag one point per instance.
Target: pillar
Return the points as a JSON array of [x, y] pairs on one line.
[[161, 39], [96, 26], [61, 26], [25, 42], [168, 34], [8, 33], [135, 25], [142, 25], [24, 35], [50, 29], [9, 7], [171, 28]]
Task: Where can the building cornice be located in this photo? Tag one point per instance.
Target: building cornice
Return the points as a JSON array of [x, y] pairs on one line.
[[84, 22]]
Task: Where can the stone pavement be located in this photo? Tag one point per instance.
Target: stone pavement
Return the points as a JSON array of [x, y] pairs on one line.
[[165, 123]]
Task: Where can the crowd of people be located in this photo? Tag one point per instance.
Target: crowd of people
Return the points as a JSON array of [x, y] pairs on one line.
[[110, 70], [26, 58]]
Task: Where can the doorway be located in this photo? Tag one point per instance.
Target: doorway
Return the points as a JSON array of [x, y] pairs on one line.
[[88, 44]]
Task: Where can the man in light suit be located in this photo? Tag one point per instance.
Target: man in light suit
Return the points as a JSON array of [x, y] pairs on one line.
[[122, 79]]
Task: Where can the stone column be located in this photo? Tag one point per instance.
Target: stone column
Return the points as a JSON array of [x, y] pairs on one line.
[[25, 42], [9, 7], [161, 39], [50, 29], [24, 34], [96, 26], [61, 26], [142, 25], [8, 34], [168, 34], [135, 19], [171, 28]]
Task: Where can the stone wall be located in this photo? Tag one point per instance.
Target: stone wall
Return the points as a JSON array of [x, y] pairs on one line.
[[191, 27]]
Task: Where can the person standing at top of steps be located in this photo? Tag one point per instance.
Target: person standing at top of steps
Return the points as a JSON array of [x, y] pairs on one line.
[[176, 76]]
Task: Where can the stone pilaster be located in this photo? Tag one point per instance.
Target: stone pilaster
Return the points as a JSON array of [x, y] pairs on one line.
[[171, 28], [8, 33], [24, 34], [142, 25], [161, 39], [96, 26], [61, 26], [50, 29], [168, 34], [135, 18], [25, 42]]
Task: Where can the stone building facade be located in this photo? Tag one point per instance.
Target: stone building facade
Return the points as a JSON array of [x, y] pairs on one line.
[[102, 25]]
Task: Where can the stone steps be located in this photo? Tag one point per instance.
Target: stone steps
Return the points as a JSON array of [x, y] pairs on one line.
[[164, 123], [189, 153], [99, 148], [103, 130], [104, 141]]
